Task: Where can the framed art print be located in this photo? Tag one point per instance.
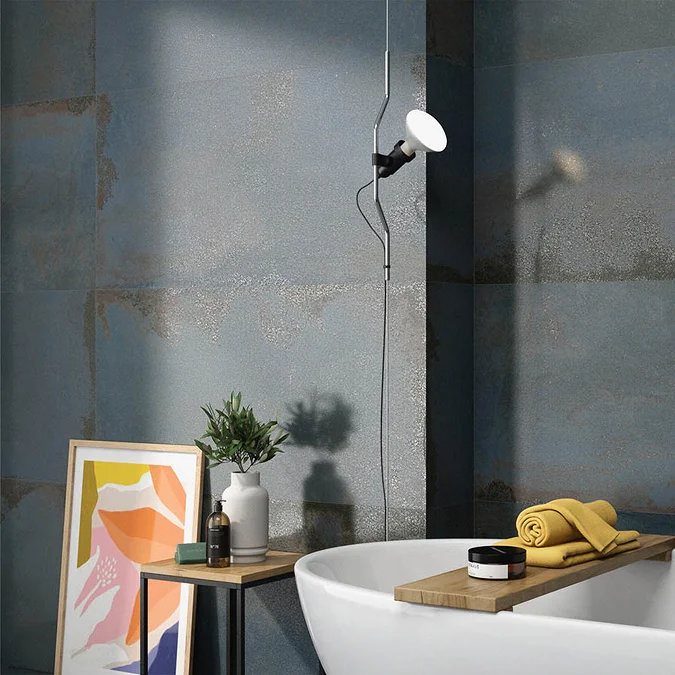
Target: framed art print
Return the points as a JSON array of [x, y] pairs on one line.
[[126, 504]]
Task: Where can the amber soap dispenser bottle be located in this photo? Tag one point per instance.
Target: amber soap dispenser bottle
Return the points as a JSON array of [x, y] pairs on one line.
[[218, 537]]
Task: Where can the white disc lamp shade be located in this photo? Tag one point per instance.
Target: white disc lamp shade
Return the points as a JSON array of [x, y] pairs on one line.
[[423, 133]]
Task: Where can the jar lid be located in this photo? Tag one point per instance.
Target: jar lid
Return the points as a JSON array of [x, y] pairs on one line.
[[497, 555]]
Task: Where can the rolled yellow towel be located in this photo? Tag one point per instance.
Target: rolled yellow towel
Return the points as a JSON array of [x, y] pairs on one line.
[[572, 552], [563, 520]]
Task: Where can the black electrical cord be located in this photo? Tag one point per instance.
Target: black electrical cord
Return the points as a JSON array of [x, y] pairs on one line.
[[383, 369], [358, 206]]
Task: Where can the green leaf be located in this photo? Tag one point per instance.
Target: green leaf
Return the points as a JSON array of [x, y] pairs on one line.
[[237, 436]]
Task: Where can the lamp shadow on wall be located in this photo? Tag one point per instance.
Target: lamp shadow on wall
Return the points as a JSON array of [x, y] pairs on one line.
[[323, 423], [566, 168]]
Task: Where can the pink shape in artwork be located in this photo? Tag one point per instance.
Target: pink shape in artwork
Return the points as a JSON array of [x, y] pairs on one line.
[[112, 569]]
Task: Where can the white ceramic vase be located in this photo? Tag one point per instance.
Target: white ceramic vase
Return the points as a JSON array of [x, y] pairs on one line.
[[247, 506]]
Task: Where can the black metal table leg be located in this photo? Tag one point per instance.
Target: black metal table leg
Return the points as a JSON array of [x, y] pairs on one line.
[[144, 625], [236, 608], [235, 632]]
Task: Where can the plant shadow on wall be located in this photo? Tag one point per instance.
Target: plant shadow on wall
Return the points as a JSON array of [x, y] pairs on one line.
[[324, 423]]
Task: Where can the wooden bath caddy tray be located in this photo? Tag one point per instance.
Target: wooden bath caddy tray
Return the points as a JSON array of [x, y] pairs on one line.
[[457, 589]]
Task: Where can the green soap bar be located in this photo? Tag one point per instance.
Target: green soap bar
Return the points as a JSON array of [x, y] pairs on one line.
[[190, 553]]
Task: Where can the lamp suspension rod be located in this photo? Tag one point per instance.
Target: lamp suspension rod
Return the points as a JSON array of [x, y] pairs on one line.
[[376, 129], [384, 391]]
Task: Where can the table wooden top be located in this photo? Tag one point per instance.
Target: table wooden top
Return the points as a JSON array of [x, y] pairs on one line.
[[457, 589], [275, 564]]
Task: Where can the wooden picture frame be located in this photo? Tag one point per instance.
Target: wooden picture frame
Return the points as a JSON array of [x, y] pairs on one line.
[[126, 504]]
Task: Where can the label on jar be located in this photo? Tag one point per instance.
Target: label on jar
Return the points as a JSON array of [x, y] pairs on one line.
[[483, 571]]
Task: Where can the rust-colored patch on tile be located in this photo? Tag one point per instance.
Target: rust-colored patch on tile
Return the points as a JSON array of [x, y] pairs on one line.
[[103, 299], [89, 340], [327, 525], [106, 171], [107, 175], [621, 495], [495, 491], [152, 308], [73, 106], [13, 491], [631, 498], [77, 106]]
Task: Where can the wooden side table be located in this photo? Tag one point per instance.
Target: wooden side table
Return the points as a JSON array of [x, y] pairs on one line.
[[237, 578]]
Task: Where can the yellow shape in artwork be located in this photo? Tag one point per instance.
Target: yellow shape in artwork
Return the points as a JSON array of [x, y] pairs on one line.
[[89, 499], [119, 473]]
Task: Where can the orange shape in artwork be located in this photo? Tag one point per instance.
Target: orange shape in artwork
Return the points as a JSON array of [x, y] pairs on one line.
[[142, 535], [163, 599], [169, 490]]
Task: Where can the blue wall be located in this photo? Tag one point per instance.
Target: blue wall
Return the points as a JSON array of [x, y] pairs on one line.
[[167, 237], [550, 294], [575, 281], [450, 348], [178, 183]]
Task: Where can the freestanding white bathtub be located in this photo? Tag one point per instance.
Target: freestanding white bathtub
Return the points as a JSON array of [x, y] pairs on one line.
[[619, 623]]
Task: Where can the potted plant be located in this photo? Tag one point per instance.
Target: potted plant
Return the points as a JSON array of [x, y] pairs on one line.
[[239, 437]]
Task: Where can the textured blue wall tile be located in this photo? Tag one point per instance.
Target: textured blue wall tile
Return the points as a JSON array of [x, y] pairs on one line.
[[229, 142], [30, 572], [162, 43], [48, 189], [514, 31], [272, 611], [162, 353], [450, 92], [47, 50], [496, 519], [574, 394], [653, 523], [450, 33], [47, 380], [573, 183], [254, 181], [310, 526], [275, 612], [494, 372], [606, 121], [449, 409], [406, 403]]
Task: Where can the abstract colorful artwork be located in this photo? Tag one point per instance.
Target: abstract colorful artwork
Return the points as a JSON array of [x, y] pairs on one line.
[[126, 504]]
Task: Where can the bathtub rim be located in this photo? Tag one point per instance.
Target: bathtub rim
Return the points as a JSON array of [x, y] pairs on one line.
[[518, 612], [332, 585]]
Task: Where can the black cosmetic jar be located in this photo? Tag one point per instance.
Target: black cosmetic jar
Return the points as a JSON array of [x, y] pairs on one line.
[[497, 562]]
